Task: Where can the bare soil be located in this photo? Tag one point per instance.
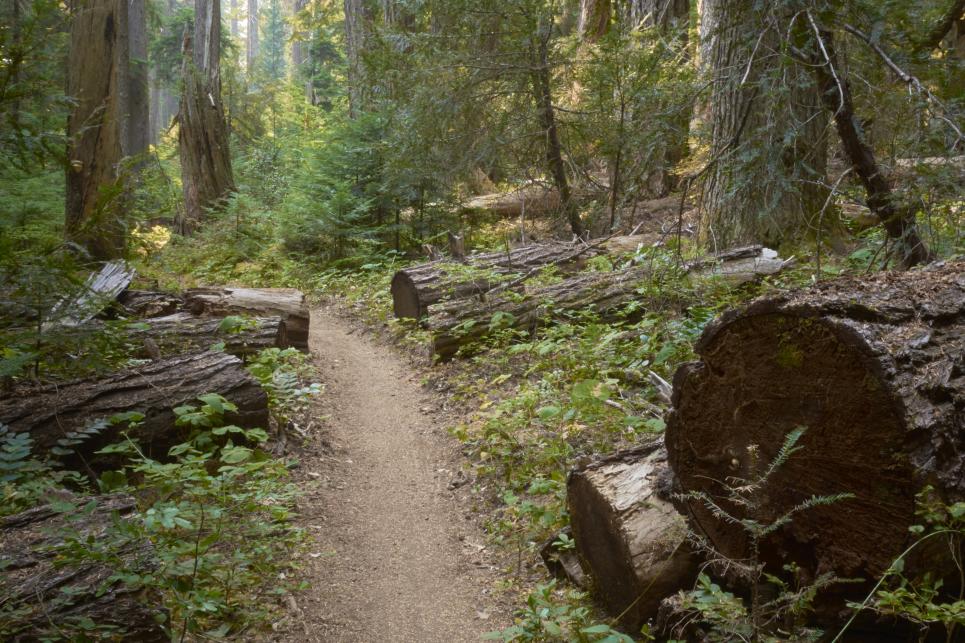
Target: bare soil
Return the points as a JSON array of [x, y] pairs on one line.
[[394, 555]]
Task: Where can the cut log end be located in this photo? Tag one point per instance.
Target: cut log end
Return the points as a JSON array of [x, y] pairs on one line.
[[405, 297], [872, 371], [631, 538]]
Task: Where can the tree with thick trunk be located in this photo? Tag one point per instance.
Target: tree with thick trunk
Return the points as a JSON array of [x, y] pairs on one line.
[[594, 19], [766, 152], [109, 120], [252, 40], [203, 134], [357, 24]]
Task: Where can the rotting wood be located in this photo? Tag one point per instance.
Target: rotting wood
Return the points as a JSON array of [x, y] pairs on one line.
[[287, 303]]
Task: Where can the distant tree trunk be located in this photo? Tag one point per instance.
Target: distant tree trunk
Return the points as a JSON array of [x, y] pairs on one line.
[[594, 19], [252, 51], [298, 53], [357, 19], [898, 218], [765, 129], [154, 111], [543, 94], [138, 133], [203, 137], [107, 124], [16, 62], [234, 19], [663, 14]]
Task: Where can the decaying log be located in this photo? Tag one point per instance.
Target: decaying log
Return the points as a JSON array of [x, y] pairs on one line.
[[459, 323], [100, 289], [287, 303], [532, 199], [148, 303], [874, 370], [628, 533], [48, 599], [183, 332], [53, 413], [415, 289]]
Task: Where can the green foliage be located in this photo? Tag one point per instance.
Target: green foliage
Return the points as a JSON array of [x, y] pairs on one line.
[[282, 372], [553, 615]]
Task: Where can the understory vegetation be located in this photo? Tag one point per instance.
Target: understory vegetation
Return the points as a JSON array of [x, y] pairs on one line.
[[366, 138]]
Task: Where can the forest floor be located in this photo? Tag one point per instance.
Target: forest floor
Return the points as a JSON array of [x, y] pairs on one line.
[[393, 553]]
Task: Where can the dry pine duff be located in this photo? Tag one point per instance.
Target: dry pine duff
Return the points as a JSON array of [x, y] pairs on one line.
[[873, 370], [58, 412]]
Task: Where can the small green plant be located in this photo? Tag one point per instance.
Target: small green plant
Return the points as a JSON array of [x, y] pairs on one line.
[[552, 615], [283, 373]]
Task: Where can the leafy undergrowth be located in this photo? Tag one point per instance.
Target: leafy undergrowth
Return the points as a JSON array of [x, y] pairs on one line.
[[218, 511]]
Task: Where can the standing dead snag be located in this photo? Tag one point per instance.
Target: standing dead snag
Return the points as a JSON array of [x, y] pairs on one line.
[[628, 533], [874, 370]]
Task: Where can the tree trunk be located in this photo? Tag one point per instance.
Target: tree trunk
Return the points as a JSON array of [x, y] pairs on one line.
[[898, 218], [203, 135], [183, 332], [594, 19], [628, 534], [765, 129], [34, 578], [147, 303], [415, 289], [872, 369], [357, 21], [234, 20], [55, 413], [287, 303], [98, 126], [251, 59], [138, 127], [461, 323], [543, 94]]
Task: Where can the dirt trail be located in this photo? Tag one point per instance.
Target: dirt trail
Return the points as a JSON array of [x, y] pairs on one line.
[[393, 557]]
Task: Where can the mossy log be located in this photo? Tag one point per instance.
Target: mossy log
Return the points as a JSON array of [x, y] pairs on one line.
[[53, 413], [287, 303], [628, 533], [183, 332], [873, 369], [460, 323], [47, 597], [416, 288]]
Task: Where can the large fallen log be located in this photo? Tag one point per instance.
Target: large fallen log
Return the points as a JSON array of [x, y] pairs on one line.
[[45, 597], [183, 332], [287, 303], [628, 533], [463, 322], [873, 370], [56, 416], [100, 289], [416, 288], [149, 303]]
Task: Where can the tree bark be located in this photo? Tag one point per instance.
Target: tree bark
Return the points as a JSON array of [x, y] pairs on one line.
[[416, 288], [898, 218], [594, 19], [872, 369], [461, 323], [287, 303], [251, 58], [357, 24], [628, 533], [203, 135], [138, 127], [99, 127], [765, 128], [34, 578], [51, 414], [147, 303]]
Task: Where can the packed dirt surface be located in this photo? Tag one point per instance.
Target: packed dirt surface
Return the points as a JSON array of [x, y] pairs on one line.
[[393, 555]]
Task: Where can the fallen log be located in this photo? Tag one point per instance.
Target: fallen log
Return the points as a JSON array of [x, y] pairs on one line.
[[287, 303], [149, 303], [415, 289], [58, 417], [183, 332], [46, 598], [628, 533], [100, 289], [459, 323], [873, 370]]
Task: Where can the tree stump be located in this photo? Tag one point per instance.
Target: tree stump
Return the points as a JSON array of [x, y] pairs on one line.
[[874, 370], [628, 533], [49, 598]]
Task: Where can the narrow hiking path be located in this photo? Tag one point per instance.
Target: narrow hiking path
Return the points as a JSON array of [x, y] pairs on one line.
[[393, 556]]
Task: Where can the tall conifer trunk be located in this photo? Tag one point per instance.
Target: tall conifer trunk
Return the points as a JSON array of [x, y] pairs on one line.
[[203, 134]]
